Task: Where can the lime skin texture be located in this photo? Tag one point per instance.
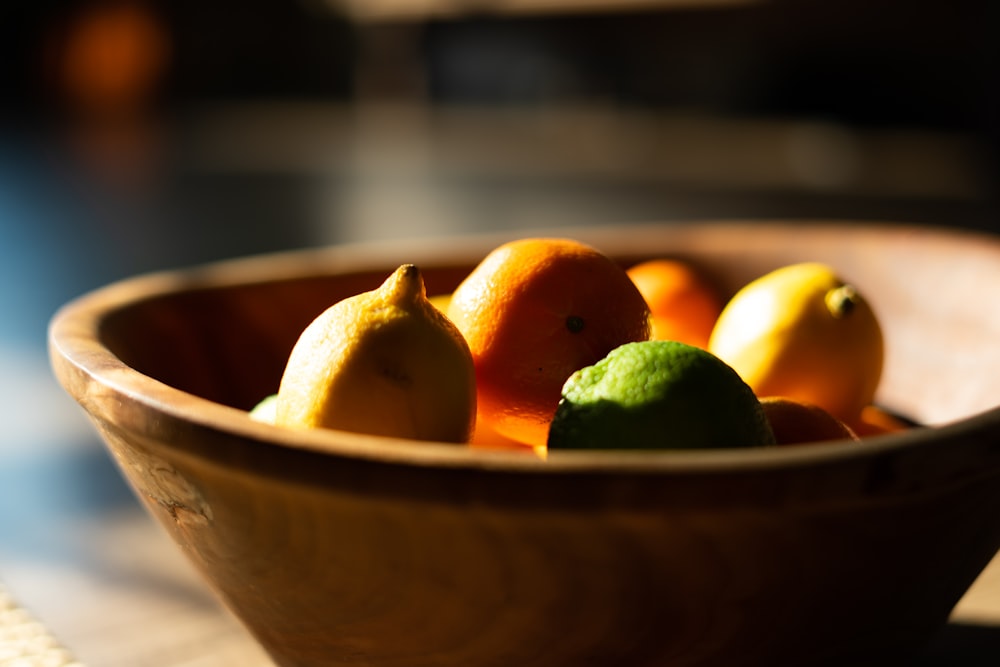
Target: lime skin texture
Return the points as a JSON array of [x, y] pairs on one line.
[[658, 395]]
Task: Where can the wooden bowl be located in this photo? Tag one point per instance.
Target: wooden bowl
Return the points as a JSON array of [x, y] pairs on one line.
[[337, 548]]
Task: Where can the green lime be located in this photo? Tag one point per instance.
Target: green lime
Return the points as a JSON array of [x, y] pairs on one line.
[[658, 395], [264, 411]]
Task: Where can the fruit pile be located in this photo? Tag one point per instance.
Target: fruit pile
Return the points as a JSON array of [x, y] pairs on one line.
[[549, 344]]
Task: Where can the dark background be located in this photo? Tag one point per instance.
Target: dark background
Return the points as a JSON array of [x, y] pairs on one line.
[[112, 179], [882, 62]]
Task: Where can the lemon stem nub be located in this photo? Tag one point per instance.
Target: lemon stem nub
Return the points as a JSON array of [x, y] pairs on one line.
[[841, 301], [405, 284]]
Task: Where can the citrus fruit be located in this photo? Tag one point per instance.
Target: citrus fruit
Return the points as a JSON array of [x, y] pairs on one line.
[[803, 333], [384, 362], [533, 312], [874, 420], [795, 422], [440, 301], [682, 304], [486, 438], [265, 409], [658, 395]]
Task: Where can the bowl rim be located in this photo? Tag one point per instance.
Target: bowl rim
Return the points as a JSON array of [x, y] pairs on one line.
[[75, 348]]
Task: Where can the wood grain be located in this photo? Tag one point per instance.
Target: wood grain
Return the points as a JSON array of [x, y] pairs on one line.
[[341, 549]]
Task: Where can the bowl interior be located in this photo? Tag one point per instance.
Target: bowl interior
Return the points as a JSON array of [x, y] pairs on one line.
[[229, 343], [225, 335]]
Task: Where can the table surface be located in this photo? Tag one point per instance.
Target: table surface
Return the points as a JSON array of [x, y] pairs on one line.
[[79, 558]]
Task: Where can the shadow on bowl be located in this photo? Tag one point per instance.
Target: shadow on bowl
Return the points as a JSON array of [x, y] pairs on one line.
[[337, 548], [963, 644]]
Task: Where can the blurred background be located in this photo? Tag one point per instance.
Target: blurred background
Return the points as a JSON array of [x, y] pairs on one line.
[[140, 134], [137, 135]]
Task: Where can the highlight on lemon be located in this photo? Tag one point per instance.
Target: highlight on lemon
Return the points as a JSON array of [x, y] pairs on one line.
[[804, 333], [384, 362]]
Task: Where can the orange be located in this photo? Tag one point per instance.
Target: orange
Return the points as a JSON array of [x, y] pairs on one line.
[[682, 303], [486, 438], [796, 422], [873, 420], [533, 312]]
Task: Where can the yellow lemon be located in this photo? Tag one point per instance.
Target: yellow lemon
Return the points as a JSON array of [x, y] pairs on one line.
[[803, 333], [384, 362], [440, 301]]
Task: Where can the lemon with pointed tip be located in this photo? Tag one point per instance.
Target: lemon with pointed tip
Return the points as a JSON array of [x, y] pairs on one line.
[[384, 362], [804, 333]]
